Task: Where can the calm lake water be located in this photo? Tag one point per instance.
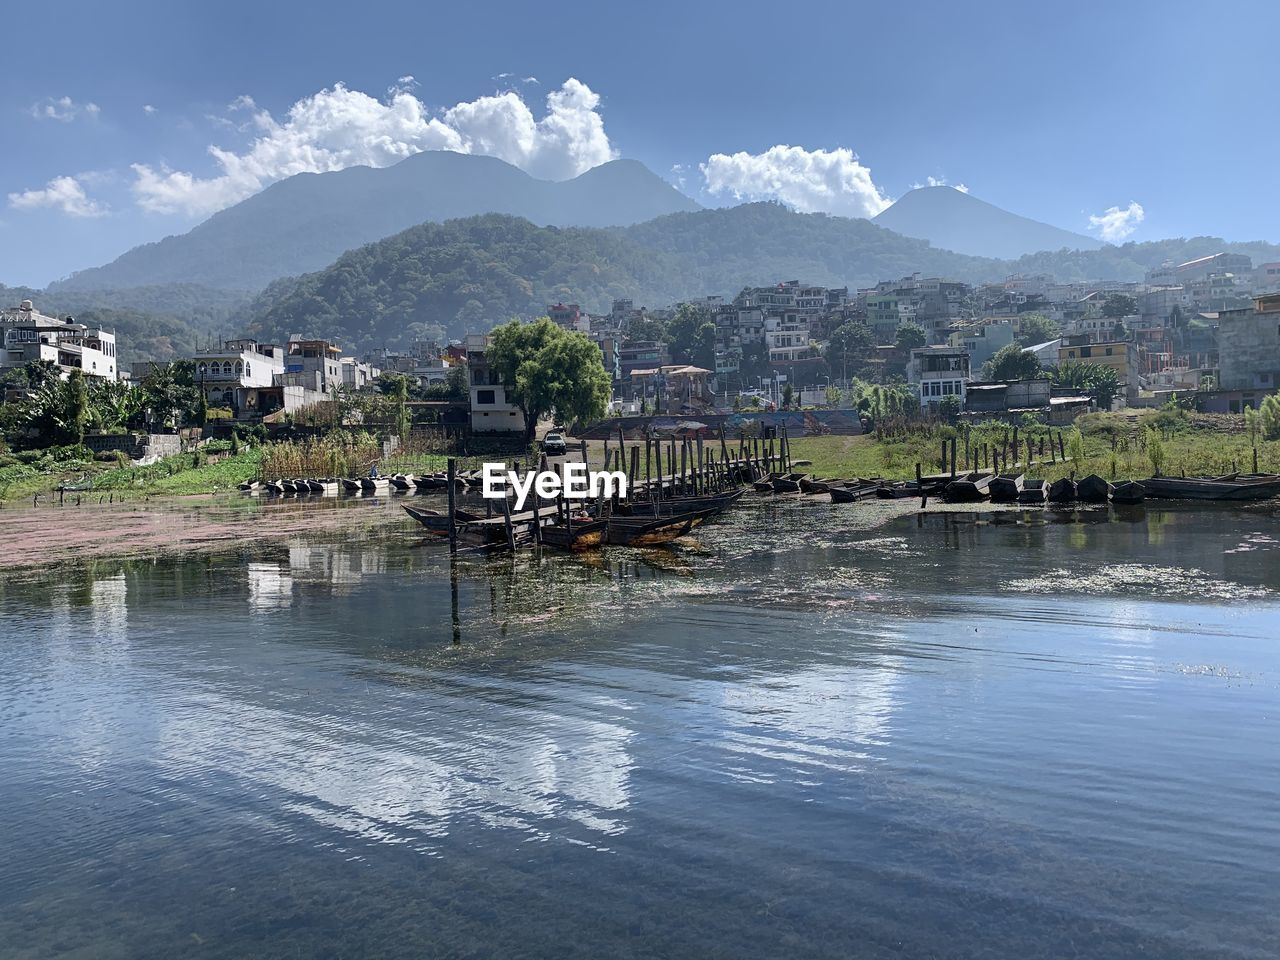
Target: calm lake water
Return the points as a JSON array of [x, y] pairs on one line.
[[806, 734]]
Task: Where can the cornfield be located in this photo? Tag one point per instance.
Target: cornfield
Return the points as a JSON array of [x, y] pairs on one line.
[[327, 457]]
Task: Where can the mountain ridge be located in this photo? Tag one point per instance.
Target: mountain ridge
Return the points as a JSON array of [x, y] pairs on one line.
[[955, 220]]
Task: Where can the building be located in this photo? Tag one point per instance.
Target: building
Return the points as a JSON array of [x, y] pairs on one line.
[[642, 355], [1249, 346], [313, 364], [1120, 355], [1169, 274], [938, 372], [30, 335], [1009, 396], [491, 411], [983, 342], [358, 374], [1266, 278], [786, 337], [569, 316], [673, 387], [244, 376]]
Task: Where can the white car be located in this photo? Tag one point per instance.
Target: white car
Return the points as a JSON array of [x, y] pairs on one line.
[[553, 445]]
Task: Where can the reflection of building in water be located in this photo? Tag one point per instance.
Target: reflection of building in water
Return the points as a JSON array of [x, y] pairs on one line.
[[337, 563], [383, 776], [270, 586], [831, 717], [110, 615]]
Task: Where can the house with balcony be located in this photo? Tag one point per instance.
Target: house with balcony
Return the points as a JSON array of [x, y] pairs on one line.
[[242, 375], [937, 372], [28, 335]]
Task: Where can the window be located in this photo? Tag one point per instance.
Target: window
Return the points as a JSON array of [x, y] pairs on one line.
[[485, 398], [203, 369]]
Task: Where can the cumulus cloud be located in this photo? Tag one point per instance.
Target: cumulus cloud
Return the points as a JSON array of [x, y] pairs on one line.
[[830, 181], [1115, 224], [61, 193], [339, 127], [939, 182], [148, 109], [62, 109]]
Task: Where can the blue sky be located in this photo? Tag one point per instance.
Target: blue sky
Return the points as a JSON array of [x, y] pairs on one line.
[[1058, 113]]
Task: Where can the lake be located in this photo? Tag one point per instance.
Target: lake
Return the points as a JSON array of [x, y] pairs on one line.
[[814, 731]]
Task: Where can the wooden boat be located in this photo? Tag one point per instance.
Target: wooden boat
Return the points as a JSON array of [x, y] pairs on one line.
[[435, 521], [374, 484], [430, 482], [649, 532], [351, 486], [1093, 489], [1128, 492], [250, 485], [583, 535], [1230, 487], [969, 488], [762, 486], [787, 483], [1062, 491], [678, 505], [852, 493], [399, 481], [273, 486], [1033, 492], [1006, 487]]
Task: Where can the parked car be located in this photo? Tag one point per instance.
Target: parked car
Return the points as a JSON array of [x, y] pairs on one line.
[[553, 445]]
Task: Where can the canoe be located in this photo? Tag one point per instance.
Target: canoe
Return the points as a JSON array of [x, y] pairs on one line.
[[1093, 489], [399, 481], [1128, 492], [1062, 491], [787, 483], [577, 536], [1033, 492], [852, 494], [1232, 487], [642, 532], [430, 482], [1006, 487], [249, 485], [373, 484], [436, 522], [351, 486], [968, 489]]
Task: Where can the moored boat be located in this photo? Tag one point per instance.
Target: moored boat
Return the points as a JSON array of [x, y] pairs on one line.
[[1131, 491], [1231, 487], [1093, 489], [1006, 487], [968, 489], [399, 481], [1033, 492], [1062, 491]]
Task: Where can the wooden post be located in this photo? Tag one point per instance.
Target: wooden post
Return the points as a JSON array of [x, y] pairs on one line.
[[1255, 459], [635, 472], [506, 520], [582, 447], [1062, 450], [943, 469], [700, 480], [684, 463], [1015, 444], [953, 457], [453, 506]]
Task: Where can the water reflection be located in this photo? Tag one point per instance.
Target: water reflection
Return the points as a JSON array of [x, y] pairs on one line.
[[809, 731]]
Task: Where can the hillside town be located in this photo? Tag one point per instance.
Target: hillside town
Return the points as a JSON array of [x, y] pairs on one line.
[[1203, 332]]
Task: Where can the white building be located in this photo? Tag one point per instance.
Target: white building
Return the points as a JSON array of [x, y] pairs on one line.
[[490, 410], [938, 372], [786, 337], [30, 335]]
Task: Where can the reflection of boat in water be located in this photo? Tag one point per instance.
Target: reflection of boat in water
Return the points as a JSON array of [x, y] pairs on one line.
[[649, 532]]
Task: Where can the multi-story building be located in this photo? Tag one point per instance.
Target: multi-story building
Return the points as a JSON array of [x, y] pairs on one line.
[[1171, 274], [642, 355], [1120, 355], [30, 335], [983, 341], [358, 374], [1266, 277], [937, 372], [786, 338], [313, 364], [570, 317], [1249, 346], [235, 374], [491, 411]]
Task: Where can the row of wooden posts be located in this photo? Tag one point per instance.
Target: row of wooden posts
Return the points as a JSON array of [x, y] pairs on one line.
[[703, 469], [1004, 456]]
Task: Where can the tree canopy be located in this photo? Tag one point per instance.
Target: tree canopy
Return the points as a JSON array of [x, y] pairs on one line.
[[909, 336], [1035, 328], [1119, 305], [1011, 362], [548, 369]]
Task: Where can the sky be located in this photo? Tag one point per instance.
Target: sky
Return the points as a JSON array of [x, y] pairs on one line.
[[1127, 120]]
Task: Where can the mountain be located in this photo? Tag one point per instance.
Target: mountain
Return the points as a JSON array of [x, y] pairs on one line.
[[954, 220], [439, 281], [305, 222]]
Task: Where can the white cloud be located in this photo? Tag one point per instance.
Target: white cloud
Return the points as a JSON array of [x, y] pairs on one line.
[[62, 109], [338, 128], [62, 193], [831, 181], [1114, 224], [939, 182], [148, 109]]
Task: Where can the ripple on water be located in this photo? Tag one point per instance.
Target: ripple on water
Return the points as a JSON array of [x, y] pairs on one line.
[[1150, 579]]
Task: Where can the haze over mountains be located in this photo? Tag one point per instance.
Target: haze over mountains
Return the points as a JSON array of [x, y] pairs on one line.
[[954, 220], [305, 222]]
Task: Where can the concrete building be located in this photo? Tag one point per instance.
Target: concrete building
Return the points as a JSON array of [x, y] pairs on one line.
[[673, 388], [1266, 278], [1120, 355], [786, 337], [30, 335], [1009, 396], [316, 361], [642, 355], [1170, 274], [937, 372], [1249, 346], [983, 341], [358, 374], [491, 411], [569, 316]]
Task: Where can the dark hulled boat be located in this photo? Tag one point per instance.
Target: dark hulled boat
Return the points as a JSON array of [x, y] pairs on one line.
[[1128, 492], [1062, 491], [1033, 492], [1093, 489], [1006, 487], [968, 489]]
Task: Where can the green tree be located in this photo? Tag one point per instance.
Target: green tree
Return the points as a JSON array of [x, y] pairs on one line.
[[546, 368], [949, 408], [788, 394], [910, 336], [1269, 417], [692, 336], [1119, 305], [1011, 362], [1103, 383], [1035, 328]]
